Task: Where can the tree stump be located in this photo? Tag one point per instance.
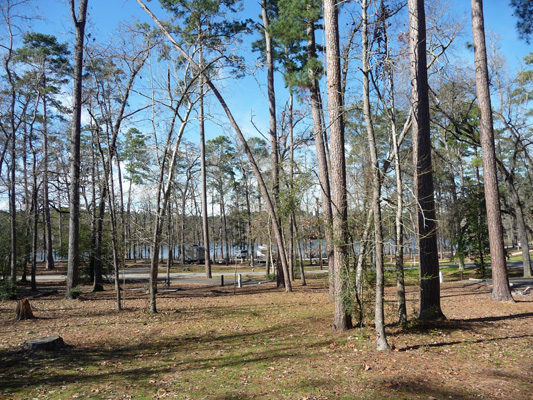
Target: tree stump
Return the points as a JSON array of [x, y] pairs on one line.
[[23, 310], [44, 343]]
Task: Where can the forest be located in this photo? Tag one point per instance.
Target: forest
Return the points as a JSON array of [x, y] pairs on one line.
[[383, 142]]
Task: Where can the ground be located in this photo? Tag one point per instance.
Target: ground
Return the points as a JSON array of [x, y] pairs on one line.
[[261, 343]]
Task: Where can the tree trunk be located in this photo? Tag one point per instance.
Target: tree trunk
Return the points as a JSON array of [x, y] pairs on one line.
[[518, 212], [46, 201], [376, 189], [35, 216], [114, 233], [205, 223], [342, 319], [100, 214], [75, 157], [13, 206], [170, 241], [398, 221], [500, 280], [423, 180], [320, 146], [274, 158]]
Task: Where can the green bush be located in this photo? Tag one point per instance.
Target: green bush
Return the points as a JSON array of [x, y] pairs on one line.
[[8, 290]]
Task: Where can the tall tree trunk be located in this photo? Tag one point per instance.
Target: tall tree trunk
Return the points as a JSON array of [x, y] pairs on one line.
[[73, 263], [342, 319], [376, 189], [13, 205], [291, 188], [323, 173], [35, 216], [123, 231], [398, 221], [274, 158], [114, 233], [10, 133], [205, 223], [99, 228], [170, 241], [423, 180], [519, 215], [46, 201], [501, 290]]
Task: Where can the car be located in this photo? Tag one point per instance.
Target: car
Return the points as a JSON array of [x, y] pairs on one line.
[[241, 254]]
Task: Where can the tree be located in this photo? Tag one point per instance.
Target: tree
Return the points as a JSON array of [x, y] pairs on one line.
[[167, 168], [249, 154], [49, 62], [10, 126], [376, 187], [266, 10], [501, 289], [137, 163], [523, 11], [342, 320], [295, 28], [75, 157], [423, 179], [207, 26], [112, 77], [222, 162]]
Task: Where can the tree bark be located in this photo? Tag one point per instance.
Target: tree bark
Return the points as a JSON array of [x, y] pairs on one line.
[[518, 211], [73, 262], [46, 201], [274, 157], [323, 173], [423, 180], [376, 188], [342, 320], [205, 223], [501, 290]]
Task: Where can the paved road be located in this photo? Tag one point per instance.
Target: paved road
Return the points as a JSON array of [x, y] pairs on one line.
[[141, 274]]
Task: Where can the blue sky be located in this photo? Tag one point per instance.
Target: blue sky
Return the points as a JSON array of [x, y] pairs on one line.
[[246, 97]]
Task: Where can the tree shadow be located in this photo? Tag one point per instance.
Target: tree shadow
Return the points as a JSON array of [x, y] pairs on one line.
[[413, 388], [451, 343], [497, 318]]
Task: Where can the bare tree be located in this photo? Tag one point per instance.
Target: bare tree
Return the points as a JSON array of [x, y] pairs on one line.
[[376, 187]]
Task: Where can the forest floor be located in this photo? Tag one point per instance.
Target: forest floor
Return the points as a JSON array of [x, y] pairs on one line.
[[262, 343]]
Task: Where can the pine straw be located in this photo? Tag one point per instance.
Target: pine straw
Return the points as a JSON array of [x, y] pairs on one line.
[[206, 343]]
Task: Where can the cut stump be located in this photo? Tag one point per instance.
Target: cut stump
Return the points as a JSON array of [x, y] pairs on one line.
[[23, 310], [44, 343]]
